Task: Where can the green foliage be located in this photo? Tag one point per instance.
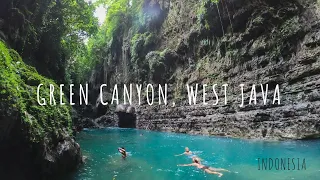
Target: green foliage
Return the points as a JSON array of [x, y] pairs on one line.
[[46, 33], [18, 84], [120, 13], [202, 11], [82, 25], [141, 44], [289, 29], [78, 18], [80, 65], [158, 65], [121, 16], [156, 61], [116, 16]]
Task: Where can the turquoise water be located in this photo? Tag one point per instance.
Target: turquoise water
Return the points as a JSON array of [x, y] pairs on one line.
[[151, 156]]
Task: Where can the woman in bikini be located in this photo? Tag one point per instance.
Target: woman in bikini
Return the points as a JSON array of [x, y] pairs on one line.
[[210, 170]]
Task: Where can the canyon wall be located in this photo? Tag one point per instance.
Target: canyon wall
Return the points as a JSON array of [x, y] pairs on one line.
[[230, 42]]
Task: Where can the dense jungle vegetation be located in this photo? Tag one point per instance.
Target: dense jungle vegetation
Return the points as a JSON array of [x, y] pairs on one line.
[[62, 38], [49, 42]]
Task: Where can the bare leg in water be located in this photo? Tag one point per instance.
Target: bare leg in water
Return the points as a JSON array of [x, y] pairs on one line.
[[218, 169], [213, 172]]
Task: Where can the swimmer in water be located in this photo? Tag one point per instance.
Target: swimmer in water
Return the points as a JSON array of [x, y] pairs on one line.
[[84, 159], [210, 170], [123, 152], [186, 152]]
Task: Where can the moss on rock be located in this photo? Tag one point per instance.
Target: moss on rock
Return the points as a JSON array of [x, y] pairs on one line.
[[141, 43], [18, 101], [157, 66], [162, 64]]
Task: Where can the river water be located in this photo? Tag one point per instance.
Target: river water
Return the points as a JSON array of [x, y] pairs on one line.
[[151, 157]]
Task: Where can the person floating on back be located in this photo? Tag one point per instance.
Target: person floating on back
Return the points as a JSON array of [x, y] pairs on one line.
[[123, 152], [186, 152], [210, 170]]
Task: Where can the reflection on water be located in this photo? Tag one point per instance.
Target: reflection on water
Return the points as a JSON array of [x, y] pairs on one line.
[[151, 156]]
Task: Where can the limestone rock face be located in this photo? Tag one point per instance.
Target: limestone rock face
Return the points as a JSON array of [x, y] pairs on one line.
[[234, 42], [261, 42], [63, 158], [101, 109], [125, 108]]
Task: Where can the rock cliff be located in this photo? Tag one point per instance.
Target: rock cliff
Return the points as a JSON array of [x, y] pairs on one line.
[[234, 42]]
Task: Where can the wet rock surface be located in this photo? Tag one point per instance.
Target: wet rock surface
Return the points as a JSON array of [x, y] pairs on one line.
[[42, 161], [234, 42], [271, 42]]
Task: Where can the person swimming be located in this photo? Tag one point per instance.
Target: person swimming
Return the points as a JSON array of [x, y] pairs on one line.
[[186, 152], [123, 152], [197, 163]]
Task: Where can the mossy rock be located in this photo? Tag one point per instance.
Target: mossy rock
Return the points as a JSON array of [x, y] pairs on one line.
[[18, 102], [142, 43], [162, 64], [157, 66]]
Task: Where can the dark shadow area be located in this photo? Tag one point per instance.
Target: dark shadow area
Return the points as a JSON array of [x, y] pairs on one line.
[[126, 120]]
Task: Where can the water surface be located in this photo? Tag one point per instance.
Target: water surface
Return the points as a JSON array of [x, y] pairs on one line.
[[151, 156]]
